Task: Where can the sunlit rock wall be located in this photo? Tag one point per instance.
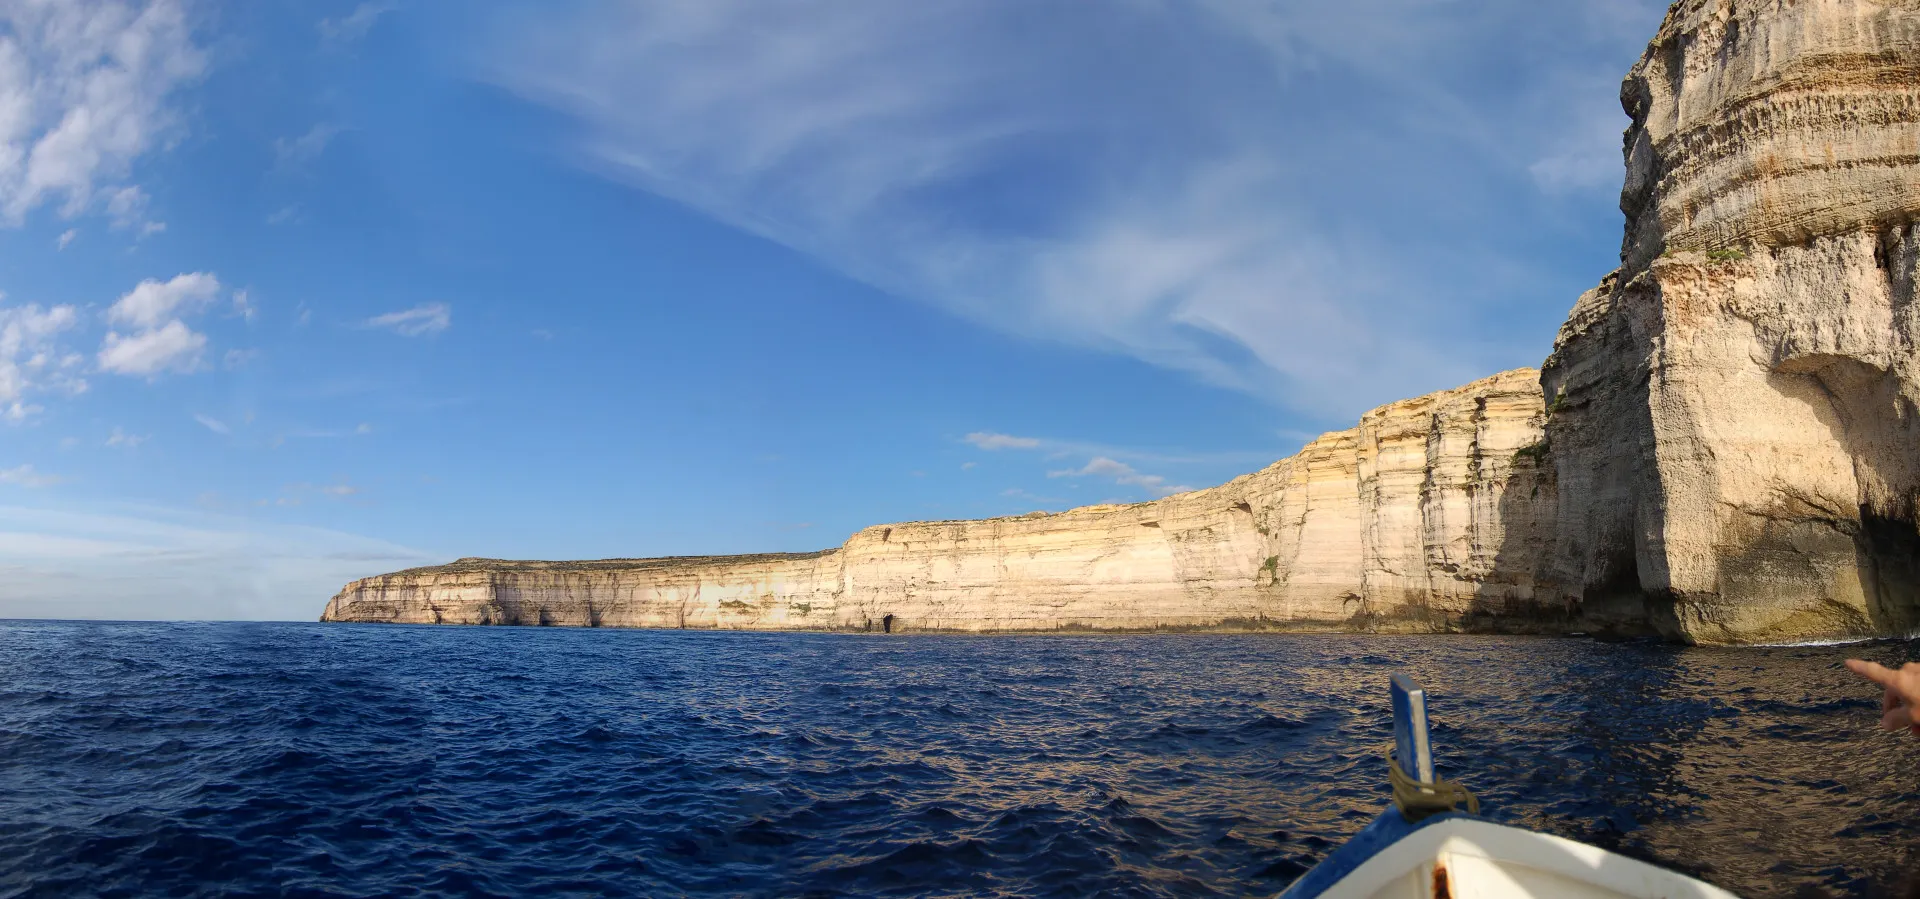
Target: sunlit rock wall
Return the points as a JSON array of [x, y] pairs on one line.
[[1398, 523]]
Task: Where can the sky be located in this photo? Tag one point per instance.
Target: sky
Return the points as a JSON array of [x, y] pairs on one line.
[[293, 293]]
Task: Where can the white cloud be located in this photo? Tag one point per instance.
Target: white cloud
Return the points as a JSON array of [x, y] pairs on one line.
[[152, 302], [990, 441], [17, 412], [122, 440], [127, 210], [968, 466], [85, 89], [26, 476], [293, 154], [173, 347], [26, 345], [67, 236], [1181, 186], [243, 305], [136, 562], [364, 429], [212, 424], [427, 318], [284, 214], [1121, 473], [354, 25], [161, 341]]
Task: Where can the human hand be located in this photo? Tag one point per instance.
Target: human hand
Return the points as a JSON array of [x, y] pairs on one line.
[[1902, 693]]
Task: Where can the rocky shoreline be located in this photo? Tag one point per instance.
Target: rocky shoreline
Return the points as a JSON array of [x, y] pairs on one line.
[[1723, 446]]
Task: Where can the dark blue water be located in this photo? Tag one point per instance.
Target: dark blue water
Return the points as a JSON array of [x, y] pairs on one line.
[[353, 760]]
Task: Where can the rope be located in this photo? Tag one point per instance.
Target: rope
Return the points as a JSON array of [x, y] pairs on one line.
[[1416, 800]]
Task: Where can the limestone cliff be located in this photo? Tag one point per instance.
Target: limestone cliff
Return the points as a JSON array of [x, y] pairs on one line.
[[1405, 521], [1731, 448], [1734, 425]]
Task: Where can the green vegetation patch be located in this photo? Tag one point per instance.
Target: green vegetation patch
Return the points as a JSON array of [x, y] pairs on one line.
[[1535, 454]]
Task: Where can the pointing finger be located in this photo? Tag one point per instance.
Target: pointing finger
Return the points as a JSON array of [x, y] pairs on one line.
[[1879, 674]]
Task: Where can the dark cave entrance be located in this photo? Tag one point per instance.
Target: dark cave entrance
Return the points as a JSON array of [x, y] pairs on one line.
[[886, 624]]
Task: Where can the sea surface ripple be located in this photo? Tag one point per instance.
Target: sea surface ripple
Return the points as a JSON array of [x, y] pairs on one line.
[[360, 760]]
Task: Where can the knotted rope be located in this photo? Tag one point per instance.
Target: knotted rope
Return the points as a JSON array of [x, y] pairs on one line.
[[1416, 800]]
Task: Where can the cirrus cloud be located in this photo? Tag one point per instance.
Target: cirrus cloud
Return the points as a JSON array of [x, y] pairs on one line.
[[1331, 205], [987, 440], [424, 319], [1121, 473]]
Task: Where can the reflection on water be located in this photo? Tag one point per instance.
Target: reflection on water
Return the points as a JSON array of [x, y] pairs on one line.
[[344, 759]]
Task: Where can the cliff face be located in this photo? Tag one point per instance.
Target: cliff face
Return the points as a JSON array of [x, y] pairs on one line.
[[1405, 522], [1734, 427], [1730, 453]]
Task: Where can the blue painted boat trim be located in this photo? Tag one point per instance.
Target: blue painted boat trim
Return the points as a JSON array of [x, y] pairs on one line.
[[1390, 828]]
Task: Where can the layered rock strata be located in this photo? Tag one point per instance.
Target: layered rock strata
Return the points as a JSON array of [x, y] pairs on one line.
[[1404, 521], [1723, 446], [1734, 419]]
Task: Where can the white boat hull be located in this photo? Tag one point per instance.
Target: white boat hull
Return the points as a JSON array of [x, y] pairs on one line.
[[1468, 858]]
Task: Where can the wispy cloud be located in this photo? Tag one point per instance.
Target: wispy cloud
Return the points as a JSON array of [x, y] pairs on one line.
[[122, 440], [26, 476], [297, 494], [1121, 473], [296, 153], [144, 562], [1056, 448], [212, 424], [987, 440], [427, 318], [27, 351], [127, 211], [354, 25], [66, 237], [1180, 186]]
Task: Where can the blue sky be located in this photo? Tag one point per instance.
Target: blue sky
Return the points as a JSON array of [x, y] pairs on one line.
[[296, 292]]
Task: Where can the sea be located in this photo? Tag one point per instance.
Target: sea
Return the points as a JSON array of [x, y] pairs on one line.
[[256, 759]]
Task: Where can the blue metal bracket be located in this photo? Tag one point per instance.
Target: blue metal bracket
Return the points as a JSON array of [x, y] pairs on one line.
[[1412, 749]]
